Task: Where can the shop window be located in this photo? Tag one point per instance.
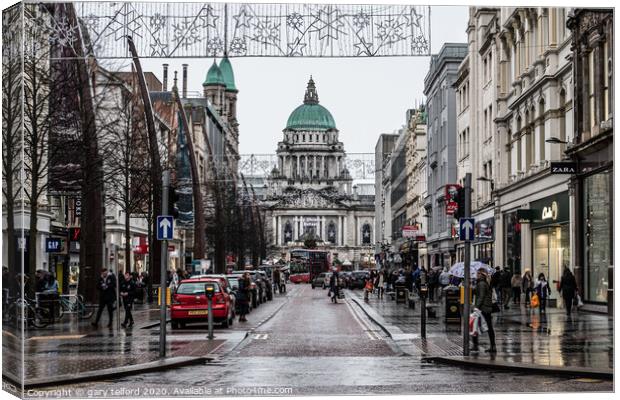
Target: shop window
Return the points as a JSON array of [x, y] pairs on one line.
[[597, 231]]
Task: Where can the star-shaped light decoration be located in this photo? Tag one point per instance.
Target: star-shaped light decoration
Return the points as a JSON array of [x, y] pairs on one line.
[[414, 18], [63, 33], [158, 49], [242, 19], [363, 47], [208, 17], [328, 23], [296, 48]]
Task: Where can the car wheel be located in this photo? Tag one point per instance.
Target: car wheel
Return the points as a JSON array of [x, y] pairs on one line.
[[175, 325]]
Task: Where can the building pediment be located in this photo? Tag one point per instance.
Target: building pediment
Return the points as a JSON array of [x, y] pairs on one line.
[[309, 199]]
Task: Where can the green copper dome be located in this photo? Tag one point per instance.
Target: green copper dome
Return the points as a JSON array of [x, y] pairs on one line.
[[227, 74], [214, 76], [311, 115]]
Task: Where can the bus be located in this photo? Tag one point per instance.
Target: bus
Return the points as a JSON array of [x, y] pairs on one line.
[[306, 264]]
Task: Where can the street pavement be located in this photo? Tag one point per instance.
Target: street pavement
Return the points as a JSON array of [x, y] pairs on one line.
[[313, 347], [583, 341], [72, 347]]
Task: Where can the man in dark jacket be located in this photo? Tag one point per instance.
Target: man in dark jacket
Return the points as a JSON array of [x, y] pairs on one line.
[[127, 290], [107, 295], [484, 303], [568, 286]]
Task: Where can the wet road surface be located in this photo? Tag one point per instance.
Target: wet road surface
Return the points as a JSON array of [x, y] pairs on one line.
[[314, 347]]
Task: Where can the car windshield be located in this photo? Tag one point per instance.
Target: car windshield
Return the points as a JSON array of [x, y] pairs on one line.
[[195, 288], [234, 282]]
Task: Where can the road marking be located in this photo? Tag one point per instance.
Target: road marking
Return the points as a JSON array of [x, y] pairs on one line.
[[260, 336], [365, 328]]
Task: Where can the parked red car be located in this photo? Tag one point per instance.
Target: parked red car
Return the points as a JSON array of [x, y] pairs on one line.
[[189, 303]]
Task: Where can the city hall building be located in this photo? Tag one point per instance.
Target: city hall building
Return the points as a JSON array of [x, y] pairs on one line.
[[311, 194]]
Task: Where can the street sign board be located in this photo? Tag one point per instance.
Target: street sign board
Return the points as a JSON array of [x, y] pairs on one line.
[[563, 167], [165, 227], [53, 245], [410, 231], [466, 229], [450, 198]]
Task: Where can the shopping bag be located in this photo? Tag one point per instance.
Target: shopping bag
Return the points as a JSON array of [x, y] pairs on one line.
[[534, 301], [579, 302], [473, 324]]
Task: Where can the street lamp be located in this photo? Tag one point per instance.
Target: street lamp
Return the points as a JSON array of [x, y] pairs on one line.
[[556, 140]]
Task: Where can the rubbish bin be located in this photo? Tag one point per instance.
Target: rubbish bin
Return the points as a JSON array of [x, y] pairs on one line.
[[401, 293], [453, 309]]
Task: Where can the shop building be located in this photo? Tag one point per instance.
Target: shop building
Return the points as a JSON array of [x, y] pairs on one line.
[[592, 153], [441, 150]]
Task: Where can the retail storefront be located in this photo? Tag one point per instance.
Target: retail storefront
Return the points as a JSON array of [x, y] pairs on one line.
[[551, 239], [597, 235], [512, 242]]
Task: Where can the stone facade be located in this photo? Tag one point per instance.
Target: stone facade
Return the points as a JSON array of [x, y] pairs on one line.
[[311, 193], [441, 149]]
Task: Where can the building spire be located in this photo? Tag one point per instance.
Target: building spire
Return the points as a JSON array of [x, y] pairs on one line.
[[311, 96]]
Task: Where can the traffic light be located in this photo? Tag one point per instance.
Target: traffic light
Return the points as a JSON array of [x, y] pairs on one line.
[[173, 197], [460, 201]]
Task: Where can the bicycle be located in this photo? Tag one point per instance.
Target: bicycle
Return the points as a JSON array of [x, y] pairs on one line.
[[75, 306], [25, 310]]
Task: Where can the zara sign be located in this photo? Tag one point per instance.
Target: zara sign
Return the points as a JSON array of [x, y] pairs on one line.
[[563, 167]]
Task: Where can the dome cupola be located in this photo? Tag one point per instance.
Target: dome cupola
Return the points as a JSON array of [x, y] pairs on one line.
[[311, 116]]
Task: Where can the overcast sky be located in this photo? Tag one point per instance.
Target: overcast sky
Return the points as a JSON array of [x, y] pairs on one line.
[[366, 96]]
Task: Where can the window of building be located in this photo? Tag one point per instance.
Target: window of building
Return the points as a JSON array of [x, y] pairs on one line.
[[591, 110], [490, 124], [541, 132], [606, 63], [303, 137]]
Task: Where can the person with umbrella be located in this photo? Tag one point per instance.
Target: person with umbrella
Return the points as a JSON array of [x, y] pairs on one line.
[[484, 303]]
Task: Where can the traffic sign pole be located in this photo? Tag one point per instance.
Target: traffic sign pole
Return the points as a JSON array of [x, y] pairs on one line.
[[467, 300], [164, 269]]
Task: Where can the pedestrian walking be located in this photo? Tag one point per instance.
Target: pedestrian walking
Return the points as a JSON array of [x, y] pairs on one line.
[[444, 280], [568, 287], [484, 303], [496, 280], [276, 280], [50, 294], [243, 296], [505, 284], [127, 290], [107, 295], [333, 286], [433, 284], [516, 283], [379, 284], [543, 291], [527, 286]]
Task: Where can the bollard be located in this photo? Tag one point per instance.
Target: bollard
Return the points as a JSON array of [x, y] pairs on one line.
[[210, 292], [423, 293]]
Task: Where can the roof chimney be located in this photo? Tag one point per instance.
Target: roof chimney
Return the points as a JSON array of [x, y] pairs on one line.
[[184, 91], [165, 84]]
